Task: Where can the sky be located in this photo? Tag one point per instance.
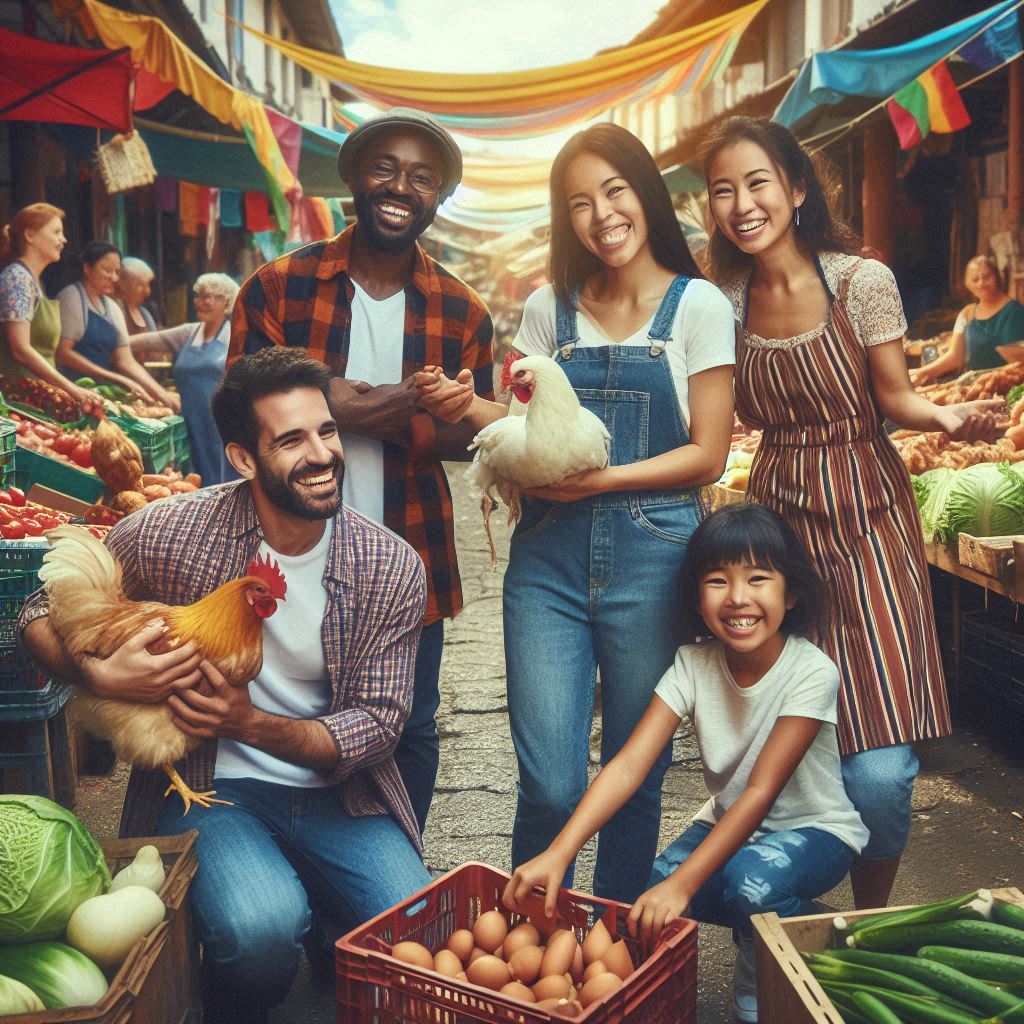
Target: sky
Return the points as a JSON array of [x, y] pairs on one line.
[[485, 35]]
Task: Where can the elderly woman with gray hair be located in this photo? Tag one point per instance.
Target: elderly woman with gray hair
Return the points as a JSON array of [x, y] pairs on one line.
[[133, 288], [198, 351]]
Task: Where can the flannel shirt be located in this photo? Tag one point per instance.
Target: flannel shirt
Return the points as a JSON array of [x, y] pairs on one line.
[[304, 299], [180, 549]]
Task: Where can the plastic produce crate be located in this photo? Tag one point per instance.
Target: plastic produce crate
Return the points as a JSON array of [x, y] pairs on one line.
[[159, 982], [20, 562], [374, 988], [992, 657], [33, 468], [179, 437], [35, 744], [8, 446], [155, 441]]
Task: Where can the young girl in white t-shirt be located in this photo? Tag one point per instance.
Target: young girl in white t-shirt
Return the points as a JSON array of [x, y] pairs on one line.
[[778, 829]]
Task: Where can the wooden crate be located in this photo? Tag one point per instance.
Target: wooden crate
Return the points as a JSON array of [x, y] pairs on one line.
[[999, 557], [159, 981], [787, 992]]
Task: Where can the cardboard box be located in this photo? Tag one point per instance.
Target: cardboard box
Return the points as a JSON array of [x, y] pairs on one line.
[[787, 992]]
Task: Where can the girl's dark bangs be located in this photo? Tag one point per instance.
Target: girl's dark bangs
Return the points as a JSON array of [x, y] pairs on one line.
[[738, 540]]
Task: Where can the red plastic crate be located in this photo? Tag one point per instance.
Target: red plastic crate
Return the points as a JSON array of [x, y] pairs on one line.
[[374, 988]]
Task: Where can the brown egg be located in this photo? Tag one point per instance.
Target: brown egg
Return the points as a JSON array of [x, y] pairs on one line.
[[576, 970], [617, 959], [447, 963], [567, 1008], [558, 956], [553, 987], [461, 943], [461, 976], [490, 930], [524, 934], [413, 953], [488, 972], [475, 954], [549, 1004], [597, 941], [594, 969], [533, 905], [517, 990], [525, 964], [599, 987]]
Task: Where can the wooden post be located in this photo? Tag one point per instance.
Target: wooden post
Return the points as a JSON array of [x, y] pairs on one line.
[[879, 187], [1015, 147]]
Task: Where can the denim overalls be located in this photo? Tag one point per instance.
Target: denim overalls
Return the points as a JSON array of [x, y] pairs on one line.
[[594, 585]]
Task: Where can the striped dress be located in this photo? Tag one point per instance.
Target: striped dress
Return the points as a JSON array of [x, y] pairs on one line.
[[826, 465]]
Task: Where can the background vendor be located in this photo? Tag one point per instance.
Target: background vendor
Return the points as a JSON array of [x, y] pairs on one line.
[[133, 288], [31, 322], [986, 331], [94, 337], [198, 351]]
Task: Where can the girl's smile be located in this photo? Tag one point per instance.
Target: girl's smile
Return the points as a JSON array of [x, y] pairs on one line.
[[743, 605]]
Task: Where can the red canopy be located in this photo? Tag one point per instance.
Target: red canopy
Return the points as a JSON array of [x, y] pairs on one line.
[[41, 81]]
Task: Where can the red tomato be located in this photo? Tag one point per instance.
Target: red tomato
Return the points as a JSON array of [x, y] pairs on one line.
[[65, 444], [17, 496], [5, 497], [23, 428], [12, 531], [32, 527], [82, 454], [97, 531], [47, 522], [44, 432]]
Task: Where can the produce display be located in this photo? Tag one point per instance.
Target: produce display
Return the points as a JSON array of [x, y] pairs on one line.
[[121, 402], [973, 385], [49, 400], [533, 962], [69, 445], [960, 961], [62, 920], [922, 452]]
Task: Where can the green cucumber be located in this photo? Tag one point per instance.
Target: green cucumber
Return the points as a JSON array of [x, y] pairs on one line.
[[940, 911], [916, 1009], [996, 938], [977, 963], [824, 967], [874, 1009], [941, 978], [1008, 914], [1014, 1016]]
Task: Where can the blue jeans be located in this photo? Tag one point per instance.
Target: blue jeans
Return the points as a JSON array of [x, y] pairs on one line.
[[418, 750], [880, 784], [264, 860], [781, 872], [587, 588]]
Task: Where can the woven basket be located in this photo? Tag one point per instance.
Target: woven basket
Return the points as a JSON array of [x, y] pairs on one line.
[[721, 496], [125, 163]]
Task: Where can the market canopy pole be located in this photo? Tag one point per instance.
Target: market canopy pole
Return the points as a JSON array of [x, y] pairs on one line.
[[540, 100]]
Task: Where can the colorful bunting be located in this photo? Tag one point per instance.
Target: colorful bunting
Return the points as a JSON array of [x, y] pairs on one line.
[[930, 103]]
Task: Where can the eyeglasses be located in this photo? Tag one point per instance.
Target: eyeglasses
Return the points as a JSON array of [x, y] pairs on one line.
[[384, 171]]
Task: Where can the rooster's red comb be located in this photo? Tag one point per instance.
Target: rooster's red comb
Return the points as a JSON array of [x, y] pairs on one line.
[[268, 570], [506, 369]]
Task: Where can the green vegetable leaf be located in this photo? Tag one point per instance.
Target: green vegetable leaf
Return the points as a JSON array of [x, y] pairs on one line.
[[1013, 395], [49, 864], [986, 500]]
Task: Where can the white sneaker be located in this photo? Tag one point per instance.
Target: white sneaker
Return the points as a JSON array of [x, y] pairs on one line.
[[744, 982]]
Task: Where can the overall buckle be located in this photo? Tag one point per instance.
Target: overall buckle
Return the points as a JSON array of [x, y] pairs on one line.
[[657, 347]]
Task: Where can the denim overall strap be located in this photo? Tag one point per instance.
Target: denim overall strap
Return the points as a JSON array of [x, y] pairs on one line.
[[567, 333], [660, 333]]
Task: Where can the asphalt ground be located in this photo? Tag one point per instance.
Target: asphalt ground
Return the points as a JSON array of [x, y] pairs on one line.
[[967, 830]]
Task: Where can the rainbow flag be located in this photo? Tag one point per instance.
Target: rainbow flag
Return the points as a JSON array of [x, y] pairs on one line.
[[930, 103]]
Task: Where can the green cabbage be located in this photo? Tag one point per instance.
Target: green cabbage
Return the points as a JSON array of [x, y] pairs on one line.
[[931, 490], [986, 500], [59, 975], [49, 864], [16, 997]]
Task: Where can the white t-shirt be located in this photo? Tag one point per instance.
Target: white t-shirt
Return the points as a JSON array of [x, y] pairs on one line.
[[703, 333], [293, 681], [732, 725], [374, 356]]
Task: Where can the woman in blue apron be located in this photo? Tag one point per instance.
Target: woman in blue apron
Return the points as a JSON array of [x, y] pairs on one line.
[[199, 351], [94, 338], [593, 576]]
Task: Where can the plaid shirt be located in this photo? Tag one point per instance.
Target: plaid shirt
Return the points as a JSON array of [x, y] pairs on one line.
[[179, 550], [304, 299]]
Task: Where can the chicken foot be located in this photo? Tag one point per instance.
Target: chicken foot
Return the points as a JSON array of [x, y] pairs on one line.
[[189, 795], [487, 506]]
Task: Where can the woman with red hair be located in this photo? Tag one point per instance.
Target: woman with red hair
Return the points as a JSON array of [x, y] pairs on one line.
[[31, 322]]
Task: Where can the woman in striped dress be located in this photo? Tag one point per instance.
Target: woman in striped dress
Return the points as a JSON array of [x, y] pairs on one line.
[[819, 363]]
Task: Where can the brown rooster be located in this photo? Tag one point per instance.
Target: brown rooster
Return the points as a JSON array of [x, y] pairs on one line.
[[92, 616], [116, 458]]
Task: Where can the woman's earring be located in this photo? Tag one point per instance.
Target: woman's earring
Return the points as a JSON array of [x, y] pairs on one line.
[[796, 216]]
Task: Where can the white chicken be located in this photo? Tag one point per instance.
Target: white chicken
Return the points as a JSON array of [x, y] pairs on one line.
[[546, 437]]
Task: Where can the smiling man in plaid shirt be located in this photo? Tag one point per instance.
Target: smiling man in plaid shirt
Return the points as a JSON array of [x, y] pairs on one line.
[[375, 308]]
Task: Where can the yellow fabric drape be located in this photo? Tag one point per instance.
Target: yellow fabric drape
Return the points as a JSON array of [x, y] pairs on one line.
[[505, 175], [520, 92], [154, 46]]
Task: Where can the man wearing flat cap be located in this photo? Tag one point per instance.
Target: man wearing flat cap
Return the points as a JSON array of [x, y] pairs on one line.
[[375, 308]]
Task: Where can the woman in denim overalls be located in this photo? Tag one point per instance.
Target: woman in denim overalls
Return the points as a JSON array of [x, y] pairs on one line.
[[592, 581]]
